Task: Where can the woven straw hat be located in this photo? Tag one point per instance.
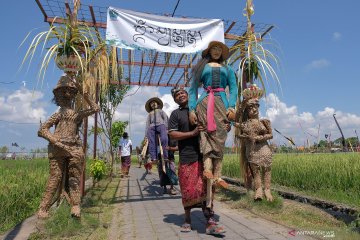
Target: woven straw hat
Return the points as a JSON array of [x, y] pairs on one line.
[[225, 49], [156, 99], [253, 101], [65, 81]]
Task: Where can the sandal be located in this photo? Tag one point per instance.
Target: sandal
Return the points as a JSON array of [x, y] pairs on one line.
[[221, 183], [208, 175], [214, 229], [186, 227], [172, 191]]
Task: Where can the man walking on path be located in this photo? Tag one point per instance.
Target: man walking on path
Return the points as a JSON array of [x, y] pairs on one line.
[[192, 185], [169, 176], [125, 149]]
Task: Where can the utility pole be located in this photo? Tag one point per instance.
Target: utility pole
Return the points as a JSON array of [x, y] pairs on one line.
[[342, 135]]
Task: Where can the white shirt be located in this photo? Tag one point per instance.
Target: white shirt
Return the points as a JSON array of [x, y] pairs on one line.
[[125, 145]]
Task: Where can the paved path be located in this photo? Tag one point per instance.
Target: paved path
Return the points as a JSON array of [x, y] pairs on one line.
[[148, 214], [143, 212]]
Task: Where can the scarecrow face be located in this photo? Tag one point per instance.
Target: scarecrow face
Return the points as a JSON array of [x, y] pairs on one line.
[[253, 111], [154, 105], [215, 52], [64, 96]]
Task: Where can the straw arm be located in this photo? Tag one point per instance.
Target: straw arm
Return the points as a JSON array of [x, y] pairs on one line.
[[44, 130]]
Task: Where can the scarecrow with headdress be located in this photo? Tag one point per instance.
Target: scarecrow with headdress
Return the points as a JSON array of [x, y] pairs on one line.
[[256, 154], [213, 109], [156, 128], [66, 154]]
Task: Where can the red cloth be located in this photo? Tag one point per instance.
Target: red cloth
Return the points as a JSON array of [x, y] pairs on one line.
[[148, 166], [125, 161], [192, 185], [211, 125], [125, 164]]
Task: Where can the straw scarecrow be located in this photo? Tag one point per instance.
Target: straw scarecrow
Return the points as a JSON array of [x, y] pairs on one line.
[[256, 154], [66, 154]]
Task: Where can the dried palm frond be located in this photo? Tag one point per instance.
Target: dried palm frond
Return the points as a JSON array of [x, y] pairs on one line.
[[60, 40], [255, 61]]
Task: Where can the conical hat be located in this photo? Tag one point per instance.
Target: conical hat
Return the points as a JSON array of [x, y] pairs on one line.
[[224, 53], [65, 81], [156, 99]]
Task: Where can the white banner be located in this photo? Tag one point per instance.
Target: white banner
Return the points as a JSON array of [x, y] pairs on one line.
[[135, 30]]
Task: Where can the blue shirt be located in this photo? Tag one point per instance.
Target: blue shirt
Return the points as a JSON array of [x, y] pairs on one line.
[[227, 78]]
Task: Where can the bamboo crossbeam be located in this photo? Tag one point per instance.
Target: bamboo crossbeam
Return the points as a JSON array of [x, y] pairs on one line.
[[182, 56]]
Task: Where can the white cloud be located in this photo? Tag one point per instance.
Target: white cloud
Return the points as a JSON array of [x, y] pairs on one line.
[[303, 126], [287, 119], [135, 104], [317, 64], [336, 36], [23, 106], [26, 106]]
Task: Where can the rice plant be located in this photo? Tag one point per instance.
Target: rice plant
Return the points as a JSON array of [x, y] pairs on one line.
[[334, 177], [21, 187]]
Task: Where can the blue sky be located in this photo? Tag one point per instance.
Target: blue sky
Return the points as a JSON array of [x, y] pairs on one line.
[[320, 66]]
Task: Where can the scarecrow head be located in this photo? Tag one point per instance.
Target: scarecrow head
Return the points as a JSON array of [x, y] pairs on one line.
[[153, 103], [65, 91]]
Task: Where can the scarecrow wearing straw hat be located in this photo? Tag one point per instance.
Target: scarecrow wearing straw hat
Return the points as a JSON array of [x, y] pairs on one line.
[[213, 109], [65, 150], [156, 125], [256, 154]]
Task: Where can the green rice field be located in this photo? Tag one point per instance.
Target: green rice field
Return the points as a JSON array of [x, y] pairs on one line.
[[21, 187], [333, 177]]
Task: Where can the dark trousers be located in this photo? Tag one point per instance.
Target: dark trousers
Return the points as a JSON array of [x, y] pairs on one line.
[[152, 136]]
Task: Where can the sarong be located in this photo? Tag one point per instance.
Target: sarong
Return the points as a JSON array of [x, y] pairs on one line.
[[192, 185], [168, 178], [212, 144], [125, 162]]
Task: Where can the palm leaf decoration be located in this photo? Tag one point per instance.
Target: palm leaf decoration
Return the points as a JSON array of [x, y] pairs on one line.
[[60, 40], [74, 39], [256, 62]]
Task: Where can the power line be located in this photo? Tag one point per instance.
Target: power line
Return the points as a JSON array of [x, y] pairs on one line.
[[8, 82], [16, 122], [175, 8]]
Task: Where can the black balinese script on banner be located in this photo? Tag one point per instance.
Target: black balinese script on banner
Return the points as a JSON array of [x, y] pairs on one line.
[[166, 36]]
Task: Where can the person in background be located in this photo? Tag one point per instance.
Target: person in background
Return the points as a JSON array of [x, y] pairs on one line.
[[125, 149], [169, 177], [146, 156], [138, 155]]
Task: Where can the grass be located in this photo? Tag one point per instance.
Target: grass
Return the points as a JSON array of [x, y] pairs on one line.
[[21, 188], [334, 177], [97, 212], [300, 217]]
